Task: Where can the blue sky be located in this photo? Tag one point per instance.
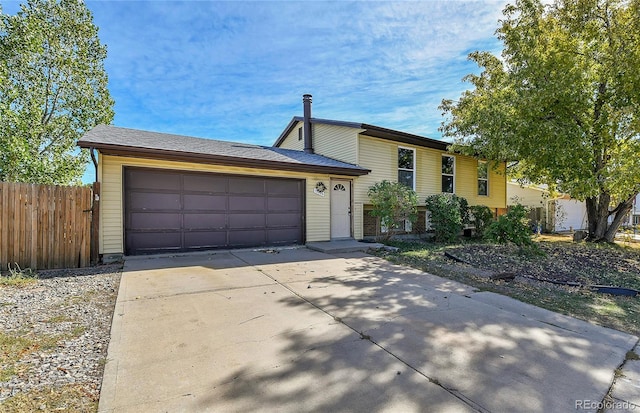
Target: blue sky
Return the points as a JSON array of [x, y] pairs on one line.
[[237, 70]]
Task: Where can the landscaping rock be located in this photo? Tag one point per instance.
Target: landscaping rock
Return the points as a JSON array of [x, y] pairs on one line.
[[579, 236], [70, 311]]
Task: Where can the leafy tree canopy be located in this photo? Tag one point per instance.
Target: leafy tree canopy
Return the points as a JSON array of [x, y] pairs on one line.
[[53, 88], [563, 101]]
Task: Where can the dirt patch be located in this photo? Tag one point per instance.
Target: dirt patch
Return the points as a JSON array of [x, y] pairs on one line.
[[559, 262]]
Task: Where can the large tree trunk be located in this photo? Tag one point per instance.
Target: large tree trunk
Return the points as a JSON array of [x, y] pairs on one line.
[[598, 216], [621, 212]]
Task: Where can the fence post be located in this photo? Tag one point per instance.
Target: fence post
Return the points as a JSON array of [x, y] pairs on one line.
[[95, 224]]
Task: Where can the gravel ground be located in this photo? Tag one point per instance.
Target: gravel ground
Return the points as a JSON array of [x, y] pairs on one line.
[[67, 313]]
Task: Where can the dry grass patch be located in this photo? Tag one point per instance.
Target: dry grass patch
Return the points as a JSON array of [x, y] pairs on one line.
[[70, 398]]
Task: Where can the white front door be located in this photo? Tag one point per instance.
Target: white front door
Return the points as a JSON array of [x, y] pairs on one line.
[[340, 209]]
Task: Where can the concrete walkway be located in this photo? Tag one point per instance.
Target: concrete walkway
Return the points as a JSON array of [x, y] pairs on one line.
[[300, 330]]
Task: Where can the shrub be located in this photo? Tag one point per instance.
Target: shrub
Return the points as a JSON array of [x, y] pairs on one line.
[[482, 217], [18, 276], [449, 213], [394, 203], [512, 227]]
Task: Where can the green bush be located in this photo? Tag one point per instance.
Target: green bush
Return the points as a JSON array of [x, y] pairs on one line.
[[512, 227], [449, 213], [482, 218], [394, 203]]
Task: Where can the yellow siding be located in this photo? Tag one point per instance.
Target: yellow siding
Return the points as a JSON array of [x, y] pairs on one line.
[[381, 157], [318, 210], [429, 167], [358, 216], [112, 205], [292, 141], [467, 183], [337, 142]]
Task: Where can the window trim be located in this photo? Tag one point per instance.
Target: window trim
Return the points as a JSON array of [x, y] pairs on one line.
[[405, 169], [483, 179], [453, 175]]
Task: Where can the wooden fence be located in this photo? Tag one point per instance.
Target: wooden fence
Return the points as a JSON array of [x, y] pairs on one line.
[[43, 227]]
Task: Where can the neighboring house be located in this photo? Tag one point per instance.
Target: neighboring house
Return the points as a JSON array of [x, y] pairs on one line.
[[555, 214], [634, 215], [164, 193]]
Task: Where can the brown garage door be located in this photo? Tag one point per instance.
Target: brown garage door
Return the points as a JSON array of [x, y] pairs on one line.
[[181, 211]]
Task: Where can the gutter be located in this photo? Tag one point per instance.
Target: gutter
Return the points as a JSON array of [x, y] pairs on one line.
[[147, 153]]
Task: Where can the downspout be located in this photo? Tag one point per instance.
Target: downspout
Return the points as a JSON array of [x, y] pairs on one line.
[[95, 162], [95, 214]]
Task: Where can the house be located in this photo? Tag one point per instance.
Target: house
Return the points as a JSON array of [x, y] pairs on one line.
[[634, 214], [555, 213], [164, 193]]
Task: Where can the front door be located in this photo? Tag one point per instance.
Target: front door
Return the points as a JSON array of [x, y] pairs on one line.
[[340, 209]]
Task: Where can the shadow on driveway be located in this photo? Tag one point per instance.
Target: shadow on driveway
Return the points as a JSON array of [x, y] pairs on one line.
[[305, 331]]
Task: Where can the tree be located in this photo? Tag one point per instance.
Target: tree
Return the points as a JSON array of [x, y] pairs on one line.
[[53, 88], [449, 214], [394, 203], [562, 101], [512, 227]]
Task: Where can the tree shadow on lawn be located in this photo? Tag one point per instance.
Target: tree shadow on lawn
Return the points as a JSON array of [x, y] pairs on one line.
[[395, 319]]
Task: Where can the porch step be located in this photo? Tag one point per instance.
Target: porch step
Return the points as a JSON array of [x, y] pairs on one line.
[[343, 245]]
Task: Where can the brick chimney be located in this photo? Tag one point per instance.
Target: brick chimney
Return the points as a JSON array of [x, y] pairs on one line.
[[308, 139]]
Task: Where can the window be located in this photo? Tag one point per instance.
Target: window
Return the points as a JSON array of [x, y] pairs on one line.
[[406, 167], [448, 174], [636, 220], [483, 178], [299, 134]]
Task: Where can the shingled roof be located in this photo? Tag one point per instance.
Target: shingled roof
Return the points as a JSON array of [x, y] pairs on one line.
[[112, 140]]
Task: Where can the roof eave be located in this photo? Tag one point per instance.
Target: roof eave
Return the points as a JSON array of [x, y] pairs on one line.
[[287, 131], [397, 136], [135, 152]]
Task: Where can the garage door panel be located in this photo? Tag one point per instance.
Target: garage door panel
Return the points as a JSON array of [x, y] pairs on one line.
[[182, 211], [156, 220], [247, 237], [246, 203], [146, 200], [205, 221], [205, 183], [284, 236], [286, 204], [283, 220], [238, 221], [142, 242], [280, 187], [205, 202], [246, 185], [152, 180], [205, 239]]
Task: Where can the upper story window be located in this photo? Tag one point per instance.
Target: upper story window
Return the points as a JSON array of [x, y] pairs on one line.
[[483, 178], [448, 174], [299, 134], [407, 167]]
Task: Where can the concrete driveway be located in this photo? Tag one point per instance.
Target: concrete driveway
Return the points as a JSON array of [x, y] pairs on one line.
[[299, 330]]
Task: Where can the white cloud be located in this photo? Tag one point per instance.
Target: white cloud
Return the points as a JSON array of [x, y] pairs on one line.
[[237, 70]]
